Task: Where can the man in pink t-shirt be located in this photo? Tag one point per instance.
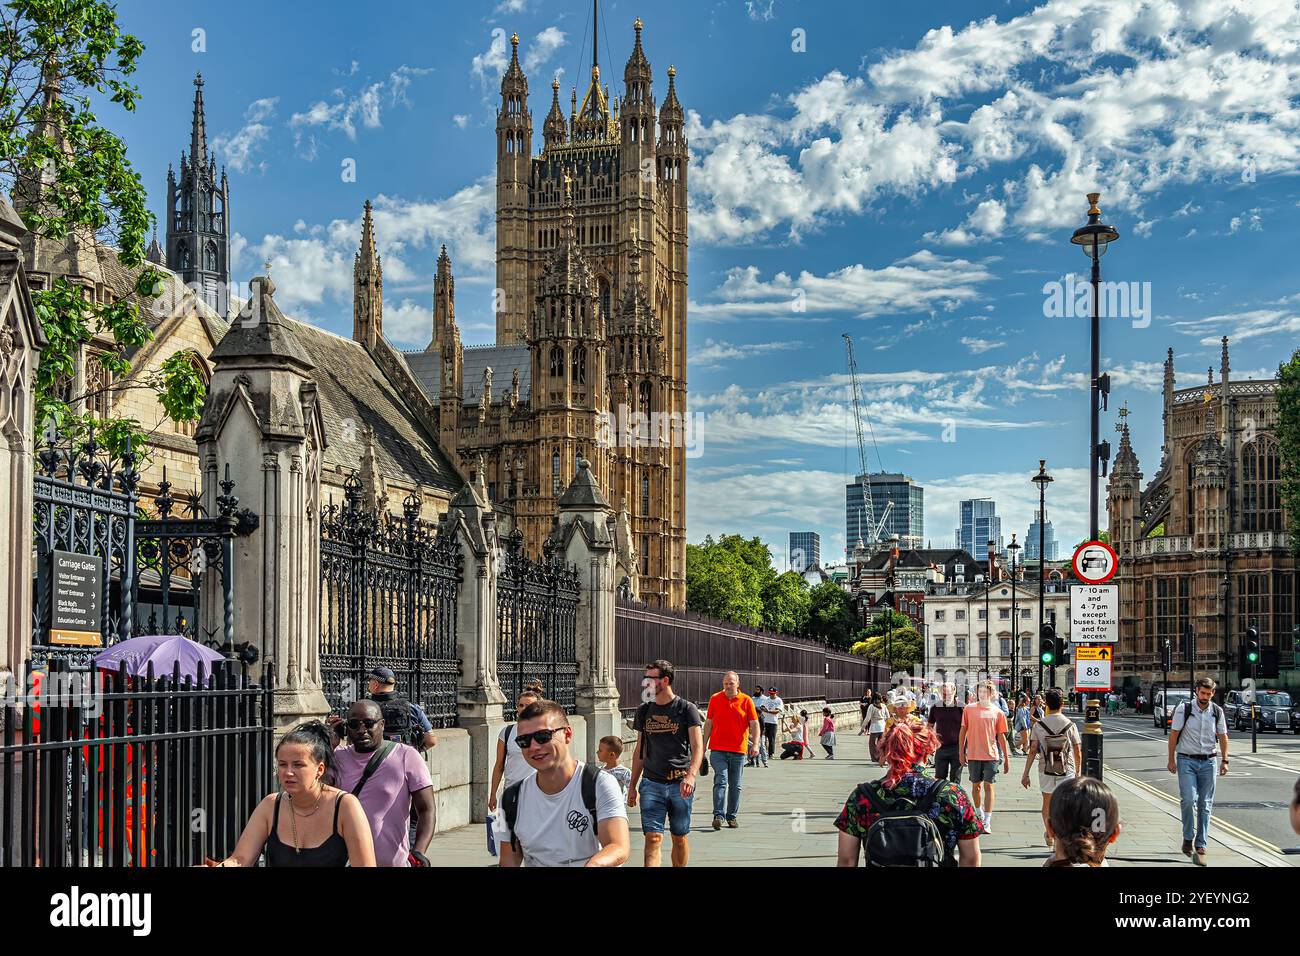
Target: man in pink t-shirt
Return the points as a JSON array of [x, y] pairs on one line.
[[983, 727], [399, 781]]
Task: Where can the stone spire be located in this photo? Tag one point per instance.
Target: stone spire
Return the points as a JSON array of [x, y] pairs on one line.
[[199, 127], [554, 130], [155, 254], [367, 286], [261, 335]]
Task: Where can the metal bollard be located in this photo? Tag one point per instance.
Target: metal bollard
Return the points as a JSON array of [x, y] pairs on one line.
[[1092, 740]]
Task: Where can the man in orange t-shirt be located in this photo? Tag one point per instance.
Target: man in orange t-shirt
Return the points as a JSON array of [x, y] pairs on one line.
[[980, 747], [730, 732]]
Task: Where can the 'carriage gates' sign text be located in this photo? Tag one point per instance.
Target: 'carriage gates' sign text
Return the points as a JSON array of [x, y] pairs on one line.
[[75, 594], [1094, 614]]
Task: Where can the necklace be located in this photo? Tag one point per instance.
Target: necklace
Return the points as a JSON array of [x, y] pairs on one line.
[[294, 814]]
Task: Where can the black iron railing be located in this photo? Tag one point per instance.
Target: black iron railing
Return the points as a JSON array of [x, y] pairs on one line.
[[537, 613], [388, 587]]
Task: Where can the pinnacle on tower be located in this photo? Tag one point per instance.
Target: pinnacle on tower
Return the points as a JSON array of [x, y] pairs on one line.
[[199, 131]]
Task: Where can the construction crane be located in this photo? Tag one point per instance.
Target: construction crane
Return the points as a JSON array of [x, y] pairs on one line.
[[874, 527]]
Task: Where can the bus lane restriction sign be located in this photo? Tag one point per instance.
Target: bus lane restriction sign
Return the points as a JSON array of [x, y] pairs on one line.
[[1094, 614]]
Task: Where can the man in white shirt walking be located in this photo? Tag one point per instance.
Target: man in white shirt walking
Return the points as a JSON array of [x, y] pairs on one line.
[[770, 711], [1196, 728], [547, 819]]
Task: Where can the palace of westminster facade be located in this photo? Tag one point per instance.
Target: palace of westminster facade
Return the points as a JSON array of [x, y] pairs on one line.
[[590, 327]]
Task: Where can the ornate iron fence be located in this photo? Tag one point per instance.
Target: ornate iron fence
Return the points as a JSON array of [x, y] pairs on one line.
[[84, 502], [154, 569], [100, 769], [388, 589], [537, 614]]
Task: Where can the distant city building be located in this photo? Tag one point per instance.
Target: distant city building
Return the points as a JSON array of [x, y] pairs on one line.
[[1049, 540], [979, 524], [805, 550], [907, 520]]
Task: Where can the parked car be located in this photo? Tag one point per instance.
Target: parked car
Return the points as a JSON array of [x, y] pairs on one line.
[[1233, 702], [1166, 702], [1274, 711]]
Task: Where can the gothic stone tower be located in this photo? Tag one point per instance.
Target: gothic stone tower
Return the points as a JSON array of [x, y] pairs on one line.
[[629, 214], [198, 216]]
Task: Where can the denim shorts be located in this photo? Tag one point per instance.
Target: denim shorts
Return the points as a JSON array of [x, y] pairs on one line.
[[982, 771], [660, 800]]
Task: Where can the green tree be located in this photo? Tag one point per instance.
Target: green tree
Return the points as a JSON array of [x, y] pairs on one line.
[[1288, 439], [906, 646], [787, 604], [880, 623], [830, 615], [725, 579], [70, 175]]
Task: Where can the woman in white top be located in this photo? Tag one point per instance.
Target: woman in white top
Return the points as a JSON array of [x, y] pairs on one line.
[[1084, 822], [797, 745], [511, 762], [874, 722]]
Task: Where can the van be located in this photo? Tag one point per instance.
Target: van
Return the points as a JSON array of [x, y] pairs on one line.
[[1167, 701]]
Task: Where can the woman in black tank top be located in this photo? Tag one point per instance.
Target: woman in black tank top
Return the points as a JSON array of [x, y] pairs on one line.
[[303, 759]]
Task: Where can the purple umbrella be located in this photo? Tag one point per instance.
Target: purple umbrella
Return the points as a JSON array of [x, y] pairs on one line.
[[163, 651]]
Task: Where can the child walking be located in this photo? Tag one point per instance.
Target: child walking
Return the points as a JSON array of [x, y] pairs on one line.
[[828, 733]]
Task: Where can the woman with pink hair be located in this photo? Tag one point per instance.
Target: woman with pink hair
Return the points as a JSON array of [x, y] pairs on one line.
[[907, 818]]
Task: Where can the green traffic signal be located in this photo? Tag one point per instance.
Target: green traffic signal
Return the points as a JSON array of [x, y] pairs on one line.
[[1048, 657]]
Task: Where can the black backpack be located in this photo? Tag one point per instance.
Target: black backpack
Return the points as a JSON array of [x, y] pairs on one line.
[[906, 836], [510, 802], [397, 716]]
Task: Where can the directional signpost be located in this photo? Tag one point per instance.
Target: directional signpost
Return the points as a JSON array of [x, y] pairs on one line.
[[75, 599]]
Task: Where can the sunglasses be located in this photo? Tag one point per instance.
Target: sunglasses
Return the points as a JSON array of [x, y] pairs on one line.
[[356, 723], [543, 737]]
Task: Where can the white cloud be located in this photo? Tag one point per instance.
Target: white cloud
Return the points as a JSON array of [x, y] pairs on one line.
[[760, 9], [511, 6], [921, 282], [980, 346], [1126, 96], [985, 223], [237, 149], [543, 48], [364, 107], [1240, 326], [714, 354], [1017, 500], [461, 120]]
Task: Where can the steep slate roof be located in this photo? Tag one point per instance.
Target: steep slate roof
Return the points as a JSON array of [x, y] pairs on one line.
[[351, 386], [923, 558], [503, 359]]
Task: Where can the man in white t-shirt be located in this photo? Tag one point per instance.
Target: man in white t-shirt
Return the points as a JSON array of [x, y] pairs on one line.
[[760, 701], [769, 711], [552, 822]]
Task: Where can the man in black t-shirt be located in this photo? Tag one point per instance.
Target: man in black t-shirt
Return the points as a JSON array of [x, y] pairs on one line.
[[945, 718], [669, 751]]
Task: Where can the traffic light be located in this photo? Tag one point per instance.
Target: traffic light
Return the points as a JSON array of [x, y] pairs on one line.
[[1047, 645], [1252, 645]]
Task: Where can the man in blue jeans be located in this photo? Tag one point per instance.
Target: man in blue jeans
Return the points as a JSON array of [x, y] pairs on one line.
[[669, 751], [730, 732], [1194, 731]]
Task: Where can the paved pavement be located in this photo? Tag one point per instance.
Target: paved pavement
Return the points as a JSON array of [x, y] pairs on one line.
[[788, 811]]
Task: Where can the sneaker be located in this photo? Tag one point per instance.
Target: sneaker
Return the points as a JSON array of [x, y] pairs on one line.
[[733, 824], [988, 823], [717, 823], [1187, 848]]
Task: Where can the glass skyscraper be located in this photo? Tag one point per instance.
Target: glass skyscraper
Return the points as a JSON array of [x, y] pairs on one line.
[[1049, 540], [907, 520], [979, 525], [805, 550]]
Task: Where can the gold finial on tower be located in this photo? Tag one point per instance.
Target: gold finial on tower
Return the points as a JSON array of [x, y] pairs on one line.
[[672, 71], [514, 40], [1092, 204], [636, 24]]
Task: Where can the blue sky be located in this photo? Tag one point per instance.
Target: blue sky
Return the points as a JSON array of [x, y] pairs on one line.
[[909, 174]]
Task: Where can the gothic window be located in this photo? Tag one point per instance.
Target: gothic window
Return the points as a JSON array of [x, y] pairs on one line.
[[603, 285], [1253, 605], [644, 403], [557, 362], [183, 256], [580, 366], [645, 554], [645, 494], [1260, 502], [555, 472], [210, 257]]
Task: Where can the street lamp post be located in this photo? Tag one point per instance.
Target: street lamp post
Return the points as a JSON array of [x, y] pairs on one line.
[[1012, 548], [988, 590], [1093, 239], [1041, 480]]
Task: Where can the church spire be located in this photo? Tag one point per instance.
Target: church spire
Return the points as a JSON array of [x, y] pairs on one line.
[[199, 131], [367, 286]]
